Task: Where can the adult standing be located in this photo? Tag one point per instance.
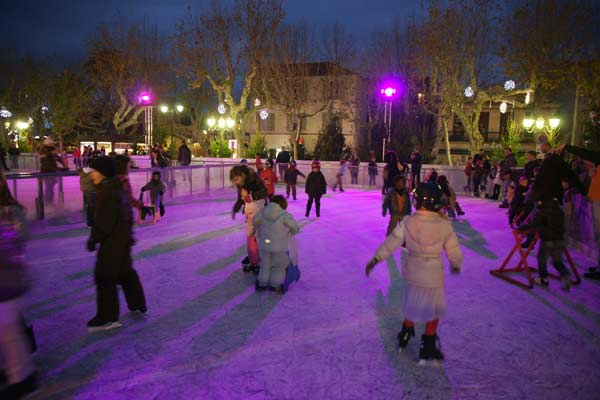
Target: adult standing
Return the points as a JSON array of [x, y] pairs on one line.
[[49, 163], [532, 163], [14, 283], [506, 167], [184, 158], [113, 230], [77, 158], [283, 159], [354, 168], [416, 163], [3, 158], [392, 169]]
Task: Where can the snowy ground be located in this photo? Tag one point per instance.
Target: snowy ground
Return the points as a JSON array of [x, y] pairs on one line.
[[208, 335]]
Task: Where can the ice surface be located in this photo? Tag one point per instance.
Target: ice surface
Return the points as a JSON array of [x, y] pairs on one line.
[[208, 335]]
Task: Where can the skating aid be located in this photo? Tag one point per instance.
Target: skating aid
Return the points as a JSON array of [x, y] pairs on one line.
[[523, 266]]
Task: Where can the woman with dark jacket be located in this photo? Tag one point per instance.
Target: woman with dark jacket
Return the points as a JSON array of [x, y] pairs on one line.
[[113, 230], [316, 186]]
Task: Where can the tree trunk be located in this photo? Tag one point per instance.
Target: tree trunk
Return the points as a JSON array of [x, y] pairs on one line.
[[446, 140]]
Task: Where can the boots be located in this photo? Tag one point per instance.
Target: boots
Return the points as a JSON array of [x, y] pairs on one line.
[[404, 336], [430, 351]]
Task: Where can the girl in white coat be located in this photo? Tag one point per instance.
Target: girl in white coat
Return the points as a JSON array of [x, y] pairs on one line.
[[425, 235]]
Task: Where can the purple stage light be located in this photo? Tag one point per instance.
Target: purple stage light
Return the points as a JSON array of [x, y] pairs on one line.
[[145, 98], [388, 92]]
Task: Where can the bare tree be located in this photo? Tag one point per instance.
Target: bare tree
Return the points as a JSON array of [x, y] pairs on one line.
[[122, 62], [225, 46]]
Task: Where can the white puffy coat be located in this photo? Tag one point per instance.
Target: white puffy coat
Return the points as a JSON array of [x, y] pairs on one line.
[[274, 228], [426, 235]]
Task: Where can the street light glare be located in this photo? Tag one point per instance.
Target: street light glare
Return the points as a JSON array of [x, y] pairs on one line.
[[554, 122], [211, 122], [388, 91], [230, 123], [164, 109], [179, 108], [22, 125], [539, 123], [528, 123], [221, 123]]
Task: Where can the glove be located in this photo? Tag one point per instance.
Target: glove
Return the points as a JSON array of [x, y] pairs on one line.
[[455, 271], [370, 266], [91, 245]]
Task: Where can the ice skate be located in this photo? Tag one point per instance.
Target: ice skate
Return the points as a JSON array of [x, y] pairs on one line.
[[246, 264], [541, 281], [404, 336], [565, 283], [260, 288], [254, 268], [97, 325], [430, 353]]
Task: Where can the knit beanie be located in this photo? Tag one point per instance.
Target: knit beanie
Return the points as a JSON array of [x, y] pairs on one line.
[[105, 166]]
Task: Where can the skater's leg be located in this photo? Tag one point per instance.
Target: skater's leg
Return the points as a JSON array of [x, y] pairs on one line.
[[133, 290], [318, 205], [252, 245], [555, 250], [14, 346], [542, 258], [293, 192], [309, 205], [265, 269], [394, 221], [107, 301], [431, 327], [279, 263], [287, 190]]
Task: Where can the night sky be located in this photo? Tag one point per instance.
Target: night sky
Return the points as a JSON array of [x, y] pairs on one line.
[[59, 28]]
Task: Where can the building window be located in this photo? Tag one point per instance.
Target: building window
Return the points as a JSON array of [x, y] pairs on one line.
[[267, 125], [504, 118], [484, 123]]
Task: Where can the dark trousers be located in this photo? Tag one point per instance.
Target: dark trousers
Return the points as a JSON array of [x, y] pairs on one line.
[[89, 201], [106, 291], [282, 168], [3, 162], [476, 185], [287, 190], [372, 179], [553, 249], [354, 177], [496, 192], [317, 200], [338, 182], [416, 177]]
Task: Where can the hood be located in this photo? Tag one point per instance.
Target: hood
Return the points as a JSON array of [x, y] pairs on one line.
[[272, 212], [424, 228]]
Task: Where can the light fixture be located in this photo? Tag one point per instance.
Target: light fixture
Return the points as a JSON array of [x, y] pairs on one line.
[[179, 108], [4, 113], [528, 98], [230, 123], [211, 122], [388, 92], [509, 85], [221, 123], [420, 98], [528, 123], [554, 122], [257, 102], [503, 107], [539, 123], [221, 109], [469, 91], [44, 109], [164, 109], [263, 114], [22, 125]]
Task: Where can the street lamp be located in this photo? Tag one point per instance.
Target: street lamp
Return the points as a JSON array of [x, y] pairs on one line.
[[389, 91], [145, 99], [220, 124], [177, 109], [540, 125]]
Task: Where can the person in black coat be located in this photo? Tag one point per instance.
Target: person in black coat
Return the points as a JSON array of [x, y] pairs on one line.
[[549, 223], [283, 159], [113, 230], [316, 186], [291, 179], [532, 163], [416, 162]]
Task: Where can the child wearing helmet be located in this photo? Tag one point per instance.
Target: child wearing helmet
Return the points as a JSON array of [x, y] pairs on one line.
[[425, 235], [316, 186], [291, 179], [269, 178]]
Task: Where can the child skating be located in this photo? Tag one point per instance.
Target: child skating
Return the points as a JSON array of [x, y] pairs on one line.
[[275, 225], [316, 186], [397, 203], [291, 179], [425, 235], [269, 178], [251, 199], [157, 190]]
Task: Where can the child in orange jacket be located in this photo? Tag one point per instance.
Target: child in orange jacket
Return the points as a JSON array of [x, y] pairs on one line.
[[269, 178]]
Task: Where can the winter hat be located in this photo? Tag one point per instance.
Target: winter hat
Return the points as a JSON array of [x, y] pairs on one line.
[[292, 163], [156, 173], [315, 164], [105, 166]]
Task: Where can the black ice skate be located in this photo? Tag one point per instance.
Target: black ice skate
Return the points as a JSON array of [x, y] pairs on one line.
[[246, 264], [98, 325], [260, 288], [254, 268], [430, 354], [404, 336]]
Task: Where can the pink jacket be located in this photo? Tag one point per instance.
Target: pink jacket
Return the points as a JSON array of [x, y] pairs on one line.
[[425, 234]]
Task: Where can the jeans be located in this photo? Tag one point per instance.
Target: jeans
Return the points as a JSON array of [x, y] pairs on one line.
[[272, 270], [14, 346], [317, 200], [553, 249], [338, 182], [282, 168], [293, 189], [354, 177], [372, 179]]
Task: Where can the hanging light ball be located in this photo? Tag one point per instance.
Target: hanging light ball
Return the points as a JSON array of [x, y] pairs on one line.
[[509, 85], [264, 114], [469, 91], [257, 102], [4, 113], [221, 109], [503, 107]]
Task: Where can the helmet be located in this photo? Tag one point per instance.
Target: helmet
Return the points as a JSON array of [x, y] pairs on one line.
[[292, 163], [315, 164], [428, 196]]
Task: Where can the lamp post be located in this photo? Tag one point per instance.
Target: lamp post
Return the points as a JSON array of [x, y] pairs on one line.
[[173, 110], [221, 125], [145, 99], [21, 126], [388, 92], [541, 125]]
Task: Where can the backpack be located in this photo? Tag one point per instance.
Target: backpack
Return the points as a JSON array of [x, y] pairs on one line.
[[14, 280]]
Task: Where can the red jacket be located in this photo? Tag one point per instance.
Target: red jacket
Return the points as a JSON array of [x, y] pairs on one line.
[[270, 179]]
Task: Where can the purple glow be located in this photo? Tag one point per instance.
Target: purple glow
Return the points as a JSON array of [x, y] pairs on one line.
[[391, 88], [388, 92], [145, 98]]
